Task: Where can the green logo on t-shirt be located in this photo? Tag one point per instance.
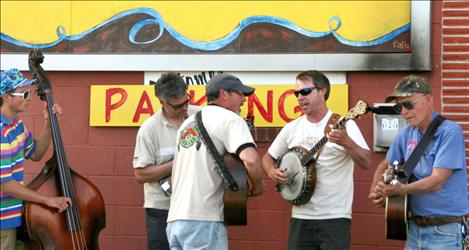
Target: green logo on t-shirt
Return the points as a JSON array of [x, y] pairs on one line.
[[189, 136]]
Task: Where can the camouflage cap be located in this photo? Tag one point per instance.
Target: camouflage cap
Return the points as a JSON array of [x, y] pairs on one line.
[[408, 86]]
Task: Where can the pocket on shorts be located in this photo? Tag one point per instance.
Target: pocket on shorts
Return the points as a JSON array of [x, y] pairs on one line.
[[450, 230]]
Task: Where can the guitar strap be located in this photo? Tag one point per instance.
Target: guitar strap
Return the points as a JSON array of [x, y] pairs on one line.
[[332, 121], [225, 173], [414, 158]]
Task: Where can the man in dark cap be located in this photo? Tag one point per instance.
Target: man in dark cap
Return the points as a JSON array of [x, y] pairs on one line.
[[17, 146], [437, 188], [196, 218]]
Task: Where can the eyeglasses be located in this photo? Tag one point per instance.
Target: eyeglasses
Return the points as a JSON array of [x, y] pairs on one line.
[[305, 91], [409, 105], [25, 94], [180, 106]]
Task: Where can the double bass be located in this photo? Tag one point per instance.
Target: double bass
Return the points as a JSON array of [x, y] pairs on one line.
[[78, 227]]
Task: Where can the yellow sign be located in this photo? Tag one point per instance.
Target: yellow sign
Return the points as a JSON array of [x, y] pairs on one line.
[[271, 105]]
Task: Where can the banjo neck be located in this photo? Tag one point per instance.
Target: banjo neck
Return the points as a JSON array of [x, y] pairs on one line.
[[310, 155]]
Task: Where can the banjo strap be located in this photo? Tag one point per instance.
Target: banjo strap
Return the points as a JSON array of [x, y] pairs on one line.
[[331, 123]]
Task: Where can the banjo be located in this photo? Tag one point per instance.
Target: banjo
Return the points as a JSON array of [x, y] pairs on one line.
[[298, 164]]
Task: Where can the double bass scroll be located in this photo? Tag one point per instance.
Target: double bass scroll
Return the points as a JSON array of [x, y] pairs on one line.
[[78, 227]]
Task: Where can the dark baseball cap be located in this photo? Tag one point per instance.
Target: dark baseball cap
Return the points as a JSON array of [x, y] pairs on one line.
[[408, 86], [227, 82]]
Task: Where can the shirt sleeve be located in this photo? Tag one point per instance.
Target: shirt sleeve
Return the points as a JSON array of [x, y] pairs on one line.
[[236, 135], [280, 145], [145, 149], [355, 134]]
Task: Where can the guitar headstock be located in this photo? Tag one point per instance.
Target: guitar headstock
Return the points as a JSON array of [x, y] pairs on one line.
[[359, 109]]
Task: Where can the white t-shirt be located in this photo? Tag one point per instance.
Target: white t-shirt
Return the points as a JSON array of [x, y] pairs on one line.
[[197, 184], [333, 195], [155, 145]]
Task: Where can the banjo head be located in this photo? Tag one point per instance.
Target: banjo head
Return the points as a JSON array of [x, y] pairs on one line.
[[297, 175]]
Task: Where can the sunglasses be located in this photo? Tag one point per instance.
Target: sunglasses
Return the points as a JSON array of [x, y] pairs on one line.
[[180, 106], [236, 91], [305, 91], [409, 105], [25, 94]]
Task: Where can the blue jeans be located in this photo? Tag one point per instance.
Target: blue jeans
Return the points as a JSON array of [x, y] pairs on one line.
[[191, 234], [155, 220], [442, 237]]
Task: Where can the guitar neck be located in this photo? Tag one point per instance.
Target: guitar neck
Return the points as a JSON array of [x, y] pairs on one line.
[[310, 155]]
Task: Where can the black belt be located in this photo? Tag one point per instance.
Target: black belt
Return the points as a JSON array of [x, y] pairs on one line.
[[423, 221]]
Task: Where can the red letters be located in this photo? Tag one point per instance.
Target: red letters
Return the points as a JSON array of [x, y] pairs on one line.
[[198, 102], [144, 107], [111, 106], [266, 114], [260, 103], [281, 106]]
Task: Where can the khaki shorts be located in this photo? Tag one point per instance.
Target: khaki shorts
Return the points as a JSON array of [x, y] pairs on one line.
[[8, 240]]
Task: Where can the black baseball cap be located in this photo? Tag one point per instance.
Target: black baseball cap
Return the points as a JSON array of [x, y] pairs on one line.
[[227, 82]]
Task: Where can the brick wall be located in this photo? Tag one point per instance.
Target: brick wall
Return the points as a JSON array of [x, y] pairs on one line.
[[455, 64]]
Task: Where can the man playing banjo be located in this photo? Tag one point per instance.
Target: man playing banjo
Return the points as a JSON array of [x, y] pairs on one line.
[[322, 222]]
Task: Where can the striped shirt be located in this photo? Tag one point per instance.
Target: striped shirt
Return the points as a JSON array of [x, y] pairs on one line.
[[17, 144]]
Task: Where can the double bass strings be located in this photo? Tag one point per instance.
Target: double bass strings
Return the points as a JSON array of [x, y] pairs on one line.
[[73, 216]]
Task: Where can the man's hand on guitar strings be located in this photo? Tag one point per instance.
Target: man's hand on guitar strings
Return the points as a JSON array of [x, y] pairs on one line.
[[376, 198], [279, 175], [390, 189], [339, 137], [387, 176]]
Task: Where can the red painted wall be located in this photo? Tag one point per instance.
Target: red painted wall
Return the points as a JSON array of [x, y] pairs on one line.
[[105, 155]]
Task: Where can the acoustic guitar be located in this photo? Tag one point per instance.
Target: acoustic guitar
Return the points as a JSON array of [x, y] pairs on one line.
[[235, 201], [235, 209], [396, 212]]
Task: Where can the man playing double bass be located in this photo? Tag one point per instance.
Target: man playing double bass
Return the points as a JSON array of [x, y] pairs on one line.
[[17, 145], [324, 221]]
